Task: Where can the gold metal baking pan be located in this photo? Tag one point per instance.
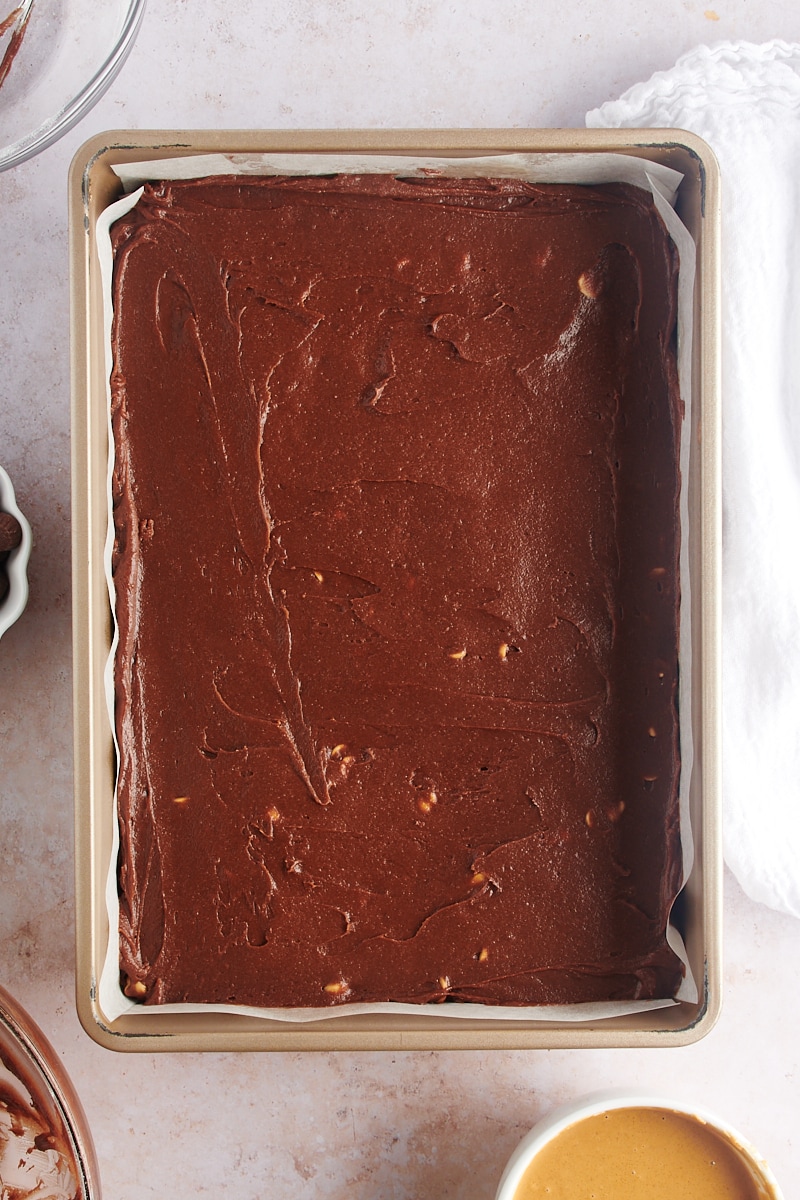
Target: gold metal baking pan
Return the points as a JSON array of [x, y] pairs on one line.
[[92, 185]]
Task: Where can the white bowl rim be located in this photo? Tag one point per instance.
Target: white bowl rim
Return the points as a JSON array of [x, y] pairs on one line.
[[16, 565], [561, 1118]]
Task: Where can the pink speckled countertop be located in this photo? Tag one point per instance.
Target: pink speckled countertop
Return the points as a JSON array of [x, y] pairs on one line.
[[403, 1126]]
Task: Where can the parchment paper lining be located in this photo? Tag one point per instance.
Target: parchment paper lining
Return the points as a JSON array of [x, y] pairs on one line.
[[587, 168]]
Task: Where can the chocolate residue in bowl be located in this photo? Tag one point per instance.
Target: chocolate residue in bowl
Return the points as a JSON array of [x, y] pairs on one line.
[[10, 538]]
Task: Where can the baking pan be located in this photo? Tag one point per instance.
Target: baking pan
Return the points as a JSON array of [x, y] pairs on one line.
[[92, 186]]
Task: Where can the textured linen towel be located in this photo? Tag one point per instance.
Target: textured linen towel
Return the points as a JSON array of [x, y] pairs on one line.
[[745, 101]]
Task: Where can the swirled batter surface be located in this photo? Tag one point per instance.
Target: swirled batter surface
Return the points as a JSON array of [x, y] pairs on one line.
[[395, 500]]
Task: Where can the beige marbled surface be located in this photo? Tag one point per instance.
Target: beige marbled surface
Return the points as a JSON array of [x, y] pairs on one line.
[[395, 1126]]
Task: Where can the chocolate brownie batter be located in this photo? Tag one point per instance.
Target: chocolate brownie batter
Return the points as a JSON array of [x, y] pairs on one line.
[[10, 538], [10, 532], [395, 500]]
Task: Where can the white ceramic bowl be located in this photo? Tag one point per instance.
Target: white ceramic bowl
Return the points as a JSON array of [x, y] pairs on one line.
[[16, 565], [594, 1105], [69, 54]]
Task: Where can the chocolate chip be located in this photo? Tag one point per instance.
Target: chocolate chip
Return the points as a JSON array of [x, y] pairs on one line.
[[10, 531]]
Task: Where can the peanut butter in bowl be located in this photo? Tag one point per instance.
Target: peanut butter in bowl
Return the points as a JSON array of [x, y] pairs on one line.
[[631, 1149]]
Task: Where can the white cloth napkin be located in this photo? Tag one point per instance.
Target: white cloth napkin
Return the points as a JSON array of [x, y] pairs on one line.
[[745, 101]]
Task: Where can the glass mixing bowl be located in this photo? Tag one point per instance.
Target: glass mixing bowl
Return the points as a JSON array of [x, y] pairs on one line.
[[45, 1145], [68, 55]]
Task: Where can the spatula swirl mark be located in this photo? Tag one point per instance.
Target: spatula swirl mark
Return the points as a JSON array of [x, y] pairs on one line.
[[240, 431]]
